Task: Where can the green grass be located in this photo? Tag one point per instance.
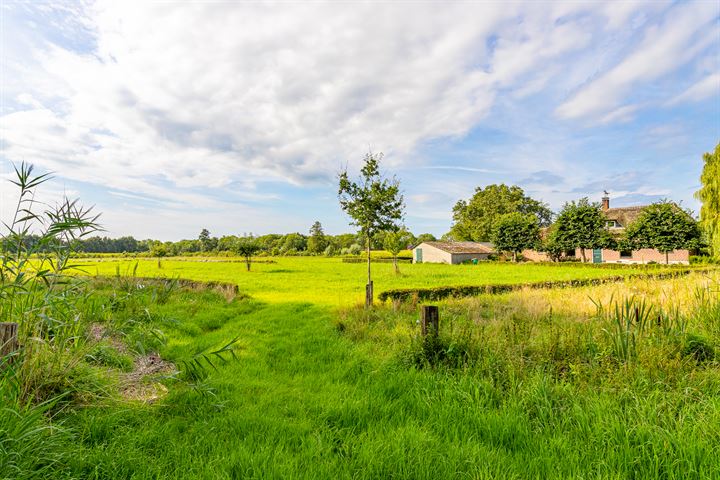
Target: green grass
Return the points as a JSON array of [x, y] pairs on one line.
[[321, 389], [328, 281], [305, 401]]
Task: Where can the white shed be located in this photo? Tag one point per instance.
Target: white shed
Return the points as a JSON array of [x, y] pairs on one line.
[[451, 252]]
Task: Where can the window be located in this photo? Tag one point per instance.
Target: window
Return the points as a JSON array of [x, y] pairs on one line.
[[612, 224], [625, 253]]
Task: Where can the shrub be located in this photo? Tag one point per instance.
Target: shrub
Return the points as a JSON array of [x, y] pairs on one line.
[[699, 348], [439, 351], [439, 293]]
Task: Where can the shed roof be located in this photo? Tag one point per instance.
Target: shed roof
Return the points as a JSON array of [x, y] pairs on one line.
[[463, 247]]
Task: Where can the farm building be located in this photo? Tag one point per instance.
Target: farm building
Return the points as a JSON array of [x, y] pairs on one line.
[[451, 252], [617, 219]]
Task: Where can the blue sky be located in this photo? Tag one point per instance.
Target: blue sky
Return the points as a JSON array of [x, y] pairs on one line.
[[171, 117]]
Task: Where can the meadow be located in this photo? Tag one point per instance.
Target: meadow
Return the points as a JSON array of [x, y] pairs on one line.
[[612, 381], [330, 282]]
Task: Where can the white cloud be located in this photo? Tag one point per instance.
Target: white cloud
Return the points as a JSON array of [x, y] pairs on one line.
[[212, 93], [707, 87], [620, 114], [180, 105], [685, 32]]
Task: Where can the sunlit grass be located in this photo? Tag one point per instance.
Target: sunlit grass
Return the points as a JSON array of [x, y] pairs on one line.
[[328, 281]]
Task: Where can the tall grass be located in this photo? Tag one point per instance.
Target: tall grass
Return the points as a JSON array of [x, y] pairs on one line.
[[48, 305]]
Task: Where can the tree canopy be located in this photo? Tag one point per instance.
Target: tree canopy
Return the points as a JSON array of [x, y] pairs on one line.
[[316, 242], [580, 225], [665, 227], [514, 232], [476, 218], [709, 195], [247, 247]]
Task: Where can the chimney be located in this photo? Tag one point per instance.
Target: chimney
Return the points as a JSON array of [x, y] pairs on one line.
[[605, 202]]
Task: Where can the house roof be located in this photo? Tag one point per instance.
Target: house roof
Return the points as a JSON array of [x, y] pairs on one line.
[[624, 215], [463, 247]]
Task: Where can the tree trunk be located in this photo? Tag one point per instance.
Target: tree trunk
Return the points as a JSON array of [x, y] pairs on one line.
[[582, 254], [369, 286], [515, 257], [395, 264], [247, 263], [667, 258]]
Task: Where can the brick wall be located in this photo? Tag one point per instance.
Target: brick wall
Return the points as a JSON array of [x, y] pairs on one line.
[[644, 255], [535, 256]]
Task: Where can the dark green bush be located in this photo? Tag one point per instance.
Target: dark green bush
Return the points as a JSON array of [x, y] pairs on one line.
[[439, 293], [699, 348]]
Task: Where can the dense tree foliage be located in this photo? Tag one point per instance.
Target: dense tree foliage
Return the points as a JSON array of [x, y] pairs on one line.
[[515, 232], [317, 243], [665, 227], [207, 243], [709, 195], [580, 225], [476, 218], [424, 237], [374, 203], [113, 245]]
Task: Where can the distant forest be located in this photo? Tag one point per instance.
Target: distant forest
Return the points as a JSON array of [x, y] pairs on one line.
[[317, 243]]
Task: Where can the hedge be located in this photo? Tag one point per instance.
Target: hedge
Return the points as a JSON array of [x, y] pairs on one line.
[[375, 260], [439, 293]]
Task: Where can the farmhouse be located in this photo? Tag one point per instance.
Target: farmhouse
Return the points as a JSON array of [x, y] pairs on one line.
[[451, 252], [617, 219]]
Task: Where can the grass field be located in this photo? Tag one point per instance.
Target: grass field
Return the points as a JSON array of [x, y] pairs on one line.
[[528, 384], [328, 281]]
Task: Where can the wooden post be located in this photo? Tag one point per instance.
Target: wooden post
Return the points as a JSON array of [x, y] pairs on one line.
[[369, 295], [8, 338], [430, 320]]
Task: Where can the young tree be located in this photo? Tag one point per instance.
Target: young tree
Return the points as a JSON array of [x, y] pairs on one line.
[[475, 219], [514, 232], [395, 242], [581, 225], [374, 204], [247, 247], [709, 195], [665, 227], [317, 242]]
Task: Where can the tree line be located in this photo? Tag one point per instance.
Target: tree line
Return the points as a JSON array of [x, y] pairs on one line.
[[315, 242]]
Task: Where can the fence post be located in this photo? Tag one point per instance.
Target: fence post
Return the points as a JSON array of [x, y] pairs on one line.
[[369, 294], [8, 338], [430, 320]]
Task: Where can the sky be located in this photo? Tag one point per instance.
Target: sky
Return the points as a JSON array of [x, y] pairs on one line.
[[169, 117]]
